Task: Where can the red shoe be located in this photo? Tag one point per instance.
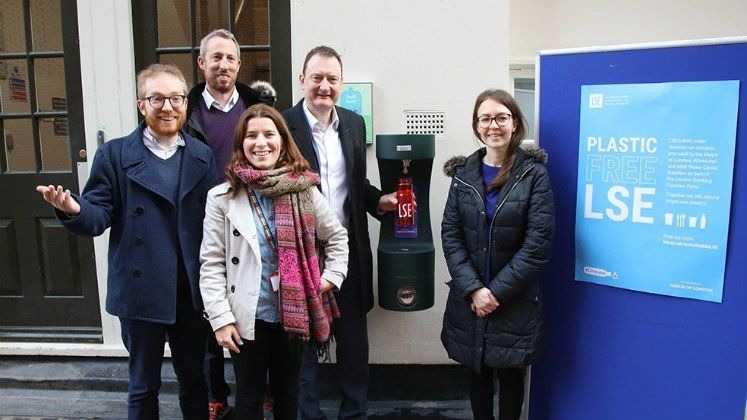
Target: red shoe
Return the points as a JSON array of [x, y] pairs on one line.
[[267, 404], [218, 409]]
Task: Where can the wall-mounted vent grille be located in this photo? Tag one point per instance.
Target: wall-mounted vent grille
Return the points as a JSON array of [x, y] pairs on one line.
[[424, 122]]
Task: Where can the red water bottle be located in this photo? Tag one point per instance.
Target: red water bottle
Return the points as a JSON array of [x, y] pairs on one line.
[[405, 203]]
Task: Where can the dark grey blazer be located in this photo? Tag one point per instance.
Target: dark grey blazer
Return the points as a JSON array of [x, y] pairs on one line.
[[362, 196]]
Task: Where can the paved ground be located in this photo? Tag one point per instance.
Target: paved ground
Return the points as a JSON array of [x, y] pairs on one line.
[[95, 388], [97, 405], [15, 404]]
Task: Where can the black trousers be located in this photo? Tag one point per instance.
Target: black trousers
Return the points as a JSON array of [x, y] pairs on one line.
[[214, 369], [269, 352], [510, 392], [351, 350]]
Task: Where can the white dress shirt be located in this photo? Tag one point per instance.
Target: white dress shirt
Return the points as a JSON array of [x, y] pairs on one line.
[[156, 148], [211, 102], [331, 162]]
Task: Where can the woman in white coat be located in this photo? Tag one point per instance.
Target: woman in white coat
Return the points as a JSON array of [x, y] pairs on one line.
[[261, 282]]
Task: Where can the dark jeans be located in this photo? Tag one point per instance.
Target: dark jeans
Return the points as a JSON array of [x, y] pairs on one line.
[[510, 392], [214, 369], [351, 337], [270, 351], [144, 341]]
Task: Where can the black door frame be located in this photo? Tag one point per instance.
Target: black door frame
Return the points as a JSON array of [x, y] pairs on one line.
[[35, 306]]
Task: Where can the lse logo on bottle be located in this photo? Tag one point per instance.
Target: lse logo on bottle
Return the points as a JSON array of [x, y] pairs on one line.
[[405, 203], [404, 214]]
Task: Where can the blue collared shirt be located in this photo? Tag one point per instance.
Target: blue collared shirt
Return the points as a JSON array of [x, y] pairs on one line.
[[267, 306]]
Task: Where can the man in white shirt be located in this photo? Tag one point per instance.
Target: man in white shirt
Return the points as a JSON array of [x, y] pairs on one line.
[[333, 140], [216, 104]]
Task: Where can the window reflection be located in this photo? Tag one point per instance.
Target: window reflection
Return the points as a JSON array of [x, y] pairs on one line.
[[19, 145], [46, 25], [14, 88], [173, 23], [55, 144], [12, 32]]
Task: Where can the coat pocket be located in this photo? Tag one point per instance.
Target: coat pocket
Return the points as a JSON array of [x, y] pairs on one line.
[[458, 313], [518, 317]]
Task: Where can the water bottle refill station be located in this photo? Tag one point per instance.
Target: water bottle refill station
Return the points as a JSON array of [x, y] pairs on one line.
[[406, 253]]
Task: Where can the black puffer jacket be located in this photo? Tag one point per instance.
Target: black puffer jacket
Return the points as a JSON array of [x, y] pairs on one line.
[[519, 247]]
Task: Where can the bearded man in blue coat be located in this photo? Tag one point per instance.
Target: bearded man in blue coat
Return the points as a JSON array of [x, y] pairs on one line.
[[149, 188]]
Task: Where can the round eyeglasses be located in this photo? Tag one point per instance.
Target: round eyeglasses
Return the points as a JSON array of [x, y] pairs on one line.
[[157, 102], [502, 120]]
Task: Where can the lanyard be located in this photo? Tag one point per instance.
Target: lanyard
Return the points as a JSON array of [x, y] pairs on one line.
[[262, 221]]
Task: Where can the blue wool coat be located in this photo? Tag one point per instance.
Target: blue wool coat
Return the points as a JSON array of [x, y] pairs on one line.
[[124, 192]]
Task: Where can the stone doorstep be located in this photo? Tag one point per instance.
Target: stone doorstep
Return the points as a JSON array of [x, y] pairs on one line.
[[387, 382]]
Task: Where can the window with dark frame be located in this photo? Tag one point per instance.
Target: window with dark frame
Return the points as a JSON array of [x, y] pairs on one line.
[[169, 31], [35, 79]]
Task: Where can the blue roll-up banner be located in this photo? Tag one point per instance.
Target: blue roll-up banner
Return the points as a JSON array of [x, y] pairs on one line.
[[656, 162]]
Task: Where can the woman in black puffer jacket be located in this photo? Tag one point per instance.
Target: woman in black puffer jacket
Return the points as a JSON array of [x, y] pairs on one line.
[[497, 233]]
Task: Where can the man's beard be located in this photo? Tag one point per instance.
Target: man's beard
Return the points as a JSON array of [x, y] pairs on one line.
[[216, 85], [154, 123]]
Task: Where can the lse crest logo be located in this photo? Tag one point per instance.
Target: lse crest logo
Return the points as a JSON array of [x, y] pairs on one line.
[[596, 100]]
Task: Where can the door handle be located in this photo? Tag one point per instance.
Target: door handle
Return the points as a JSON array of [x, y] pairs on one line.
[[100, 135]]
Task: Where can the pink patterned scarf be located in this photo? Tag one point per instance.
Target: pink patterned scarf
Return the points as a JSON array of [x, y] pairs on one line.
[[304, 312]]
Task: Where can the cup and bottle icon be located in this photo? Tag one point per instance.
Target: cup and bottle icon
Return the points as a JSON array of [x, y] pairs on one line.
[[684, 220]]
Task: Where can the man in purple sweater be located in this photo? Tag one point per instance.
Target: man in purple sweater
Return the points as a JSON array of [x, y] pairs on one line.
[[214, 108], [216, 104]]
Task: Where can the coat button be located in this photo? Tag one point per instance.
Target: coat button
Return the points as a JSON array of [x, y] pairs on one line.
[[136, 273], [204, 313], [233, 289], [139, 210], [235, 260], [236, 232], [139, 241]]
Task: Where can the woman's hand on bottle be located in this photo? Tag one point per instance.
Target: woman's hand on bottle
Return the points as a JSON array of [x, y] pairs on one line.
[[227, 336], [483, 302]]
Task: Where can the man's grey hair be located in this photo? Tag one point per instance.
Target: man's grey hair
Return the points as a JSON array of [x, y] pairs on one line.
[[223, 33]]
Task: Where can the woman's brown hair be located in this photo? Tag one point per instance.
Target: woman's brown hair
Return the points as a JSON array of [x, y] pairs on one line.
[[289, 153], [504, 98]]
